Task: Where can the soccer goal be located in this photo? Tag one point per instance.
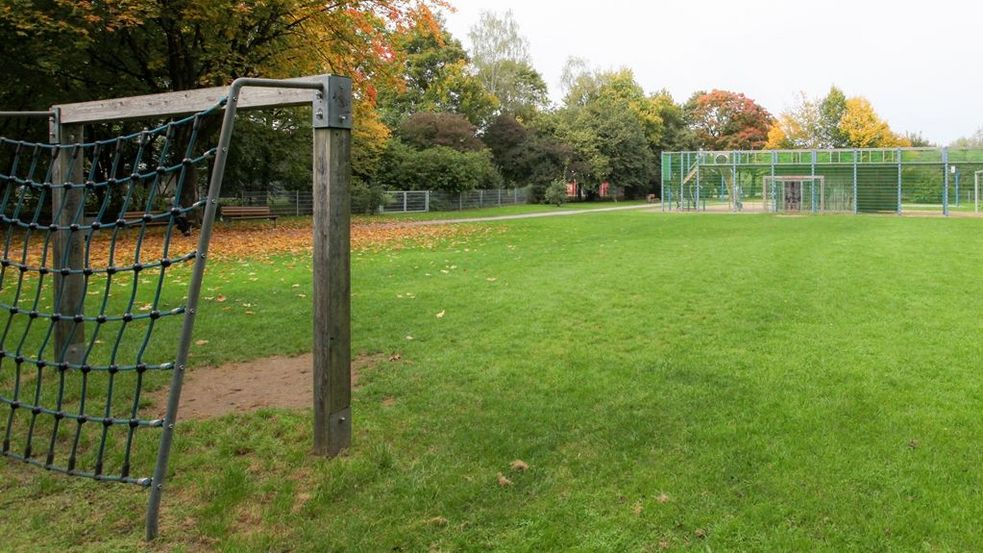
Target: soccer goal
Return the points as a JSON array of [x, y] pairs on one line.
[[805, 194], [100, 294]]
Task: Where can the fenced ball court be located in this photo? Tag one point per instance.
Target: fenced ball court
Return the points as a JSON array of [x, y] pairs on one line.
[[927, 181]]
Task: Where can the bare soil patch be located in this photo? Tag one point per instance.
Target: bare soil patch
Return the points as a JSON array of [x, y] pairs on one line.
[[274, 382]]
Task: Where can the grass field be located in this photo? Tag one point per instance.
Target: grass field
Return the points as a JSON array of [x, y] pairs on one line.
[[674, 382], [518, 209]]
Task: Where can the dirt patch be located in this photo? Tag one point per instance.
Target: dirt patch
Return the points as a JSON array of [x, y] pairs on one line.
[[280, 382]]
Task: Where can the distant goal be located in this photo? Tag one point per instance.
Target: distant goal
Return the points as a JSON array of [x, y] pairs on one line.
[[805, 194]]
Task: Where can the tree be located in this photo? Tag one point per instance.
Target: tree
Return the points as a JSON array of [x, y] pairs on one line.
[[437, 76], [526, 156], [501, 57], [100, 49], [973, 141], [676, 134], [800, 126], [918, 141], [831, 111], [863, 128], [723, 120], [610, 142], [86, 50], [404, 167], [452, 130]]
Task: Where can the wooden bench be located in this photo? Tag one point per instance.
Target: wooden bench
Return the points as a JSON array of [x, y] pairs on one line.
[[132, 216], [230, 212], [181, 222]]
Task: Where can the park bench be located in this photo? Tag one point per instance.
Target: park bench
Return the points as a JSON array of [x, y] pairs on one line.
[[230, 212], [180, 222]]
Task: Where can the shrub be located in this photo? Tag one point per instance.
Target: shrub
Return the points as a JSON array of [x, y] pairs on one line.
[[556, 193], [437, 168], [366, 198]]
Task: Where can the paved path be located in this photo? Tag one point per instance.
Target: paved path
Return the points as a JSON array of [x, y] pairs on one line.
[[520, 216]]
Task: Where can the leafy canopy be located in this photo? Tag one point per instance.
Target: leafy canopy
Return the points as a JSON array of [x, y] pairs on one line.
[[724, 120]]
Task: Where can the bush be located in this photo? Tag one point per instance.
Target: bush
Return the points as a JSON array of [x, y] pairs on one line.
[[556, 193], [437, 168], [366, 198]]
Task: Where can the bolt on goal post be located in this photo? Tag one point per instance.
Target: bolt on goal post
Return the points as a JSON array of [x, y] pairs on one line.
[[71, 171]]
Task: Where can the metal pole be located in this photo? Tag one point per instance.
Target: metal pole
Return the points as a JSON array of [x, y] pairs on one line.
[[958, 175], [426, 201], [774, 160], [856, 199], [734, 193], [900, 210], [976, 191], [194, 288], [814, 209], [696, 206], [945, 182], [662, 183]]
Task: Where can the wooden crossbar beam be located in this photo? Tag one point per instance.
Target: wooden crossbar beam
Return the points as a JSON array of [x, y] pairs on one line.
[[169, 104]]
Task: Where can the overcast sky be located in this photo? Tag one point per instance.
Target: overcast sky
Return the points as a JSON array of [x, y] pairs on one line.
[[920, 63]]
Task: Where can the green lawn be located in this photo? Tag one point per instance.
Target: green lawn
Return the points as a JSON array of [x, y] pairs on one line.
[[518, 209], [679, 382]]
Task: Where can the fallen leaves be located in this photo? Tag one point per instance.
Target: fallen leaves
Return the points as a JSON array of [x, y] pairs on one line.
[[262, 241], [441, 314], [503, 482]]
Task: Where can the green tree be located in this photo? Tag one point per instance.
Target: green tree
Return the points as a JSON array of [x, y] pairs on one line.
[[501, 57], [917, 140], [437, 76], [973, 141], [62, 51], [800, 126], [404, 167], [831, 110], [611, 143], [526, 156]]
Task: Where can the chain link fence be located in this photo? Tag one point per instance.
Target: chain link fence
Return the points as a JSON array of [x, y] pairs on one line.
[[301, 203], [421, 201]]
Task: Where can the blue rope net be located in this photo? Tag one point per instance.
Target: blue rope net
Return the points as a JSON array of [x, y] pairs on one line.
[[93, 279]]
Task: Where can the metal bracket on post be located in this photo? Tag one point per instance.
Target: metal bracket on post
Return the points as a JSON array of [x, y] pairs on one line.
[[333, 105]]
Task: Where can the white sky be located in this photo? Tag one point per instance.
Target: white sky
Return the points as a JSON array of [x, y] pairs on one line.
[[920, 63]]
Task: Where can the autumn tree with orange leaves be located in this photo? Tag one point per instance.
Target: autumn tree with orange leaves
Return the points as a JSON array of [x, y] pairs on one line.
[[724, 120], [70, 50]]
